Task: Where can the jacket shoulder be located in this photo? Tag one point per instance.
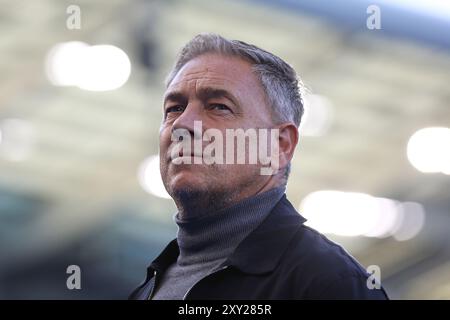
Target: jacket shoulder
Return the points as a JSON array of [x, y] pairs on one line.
[[322, 269]]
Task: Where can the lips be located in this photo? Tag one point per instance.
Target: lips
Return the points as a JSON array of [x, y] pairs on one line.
[[173, 154], [179, 158], [191, 154]]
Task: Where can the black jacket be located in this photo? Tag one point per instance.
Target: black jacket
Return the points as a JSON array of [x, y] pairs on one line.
[[280, 259]]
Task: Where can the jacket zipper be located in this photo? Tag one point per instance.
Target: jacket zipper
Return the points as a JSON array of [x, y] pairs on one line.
[[208, 275]]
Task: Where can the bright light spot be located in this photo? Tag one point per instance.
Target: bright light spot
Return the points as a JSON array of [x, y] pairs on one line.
[[150, 178], [412, 222], [359, 214], [17, 137], [64, 63], [317, 115], [94, 68], [341, 213], [106, 68], [434, 8], [387, 218], [428, 150]]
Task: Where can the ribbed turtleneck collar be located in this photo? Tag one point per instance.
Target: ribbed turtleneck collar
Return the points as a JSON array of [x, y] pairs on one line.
[[216, 235]]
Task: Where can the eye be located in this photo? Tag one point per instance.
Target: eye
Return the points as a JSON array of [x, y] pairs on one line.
[[219, 106], [177, 108]]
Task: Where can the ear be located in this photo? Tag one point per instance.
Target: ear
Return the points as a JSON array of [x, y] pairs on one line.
[[288, 139]]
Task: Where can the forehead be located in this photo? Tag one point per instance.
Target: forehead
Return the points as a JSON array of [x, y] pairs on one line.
[[231, 73]]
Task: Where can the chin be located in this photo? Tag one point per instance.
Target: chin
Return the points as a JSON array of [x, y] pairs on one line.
[[184, 180]]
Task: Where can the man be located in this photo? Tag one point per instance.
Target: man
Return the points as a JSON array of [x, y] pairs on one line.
[[239, 237]]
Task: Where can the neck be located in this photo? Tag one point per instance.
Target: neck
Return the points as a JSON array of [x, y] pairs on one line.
[[191, 203], [216, 234], [194, 203]]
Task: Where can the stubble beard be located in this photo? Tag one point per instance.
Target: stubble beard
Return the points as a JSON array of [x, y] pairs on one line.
[[196, 201]]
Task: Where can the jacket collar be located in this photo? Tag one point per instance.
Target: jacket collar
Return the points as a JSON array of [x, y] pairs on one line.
[[260, 251], [168, 256]]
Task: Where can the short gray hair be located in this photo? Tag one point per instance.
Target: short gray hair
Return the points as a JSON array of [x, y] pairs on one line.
[[284, 90]]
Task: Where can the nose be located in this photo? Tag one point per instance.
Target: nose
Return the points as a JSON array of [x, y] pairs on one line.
[[192, 113]]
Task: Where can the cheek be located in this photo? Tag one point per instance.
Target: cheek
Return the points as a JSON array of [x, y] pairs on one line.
[[164, 138]]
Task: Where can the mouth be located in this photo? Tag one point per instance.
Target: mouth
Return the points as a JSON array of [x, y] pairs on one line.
[[186, 158], [178, 150]]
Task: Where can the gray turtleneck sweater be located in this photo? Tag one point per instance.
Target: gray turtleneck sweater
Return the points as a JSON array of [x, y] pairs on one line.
[[207, 241]]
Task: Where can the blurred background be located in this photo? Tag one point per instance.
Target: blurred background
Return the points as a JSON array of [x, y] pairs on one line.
[[81, 85]]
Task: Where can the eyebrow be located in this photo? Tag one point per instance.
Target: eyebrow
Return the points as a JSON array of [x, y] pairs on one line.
[[212, 93], [175, 97], [204, 94]]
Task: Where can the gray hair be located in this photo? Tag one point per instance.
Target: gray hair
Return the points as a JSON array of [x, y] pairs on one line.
[[284, 90]]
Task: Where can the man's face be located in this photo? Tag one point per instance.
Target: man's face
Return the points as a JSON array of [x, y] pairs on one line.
[[223, 93]]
